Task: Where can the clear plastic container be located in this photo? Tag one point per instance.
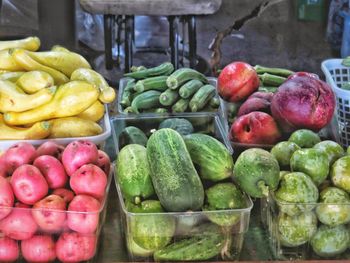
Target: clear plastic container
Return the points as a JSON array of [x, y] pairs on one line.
[[97, 139], [292, 226], [185, 223]]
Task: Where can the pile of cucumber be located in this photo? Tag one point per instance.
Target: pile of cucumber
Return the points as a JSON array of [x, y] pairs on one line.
[[177, 170], [161, 89]]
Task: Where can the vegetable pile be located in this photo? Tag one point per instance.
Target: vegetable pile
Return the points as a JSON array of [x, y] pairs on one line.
[[51, 198]]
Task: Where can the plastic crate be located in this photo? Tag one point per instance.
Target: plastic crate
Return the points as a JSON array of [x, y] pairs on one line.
[[337, 74]]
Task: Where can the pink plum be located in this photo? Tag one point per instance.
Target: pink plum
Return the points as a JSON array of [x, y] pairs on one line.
[[39, 248], [28, 184], [87, 218], [53, 171]]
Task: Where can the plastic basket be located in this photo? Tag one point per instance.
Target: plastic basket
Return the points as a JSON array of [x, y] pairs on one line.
[[337, 74]]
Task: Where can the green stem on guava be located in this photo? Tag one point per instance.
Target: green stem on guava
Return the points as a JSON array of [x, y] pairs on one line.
[[263, 187], [274, 71]]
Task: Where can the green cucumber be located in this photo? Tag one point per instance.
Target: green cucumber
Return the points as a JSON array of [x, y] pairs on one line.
[[181, 105], [190, 88], [146, 100], [162, 70], [174, 177], [126, 96], [214, 103], [168, 97], [182, 126], [132, 135], [274, 71], [203, 245], [133, 173], [152, 83], [271, 80], [156, 110], [137, 68], [182, 75], [214, 162], [268, 89], [202, 97]]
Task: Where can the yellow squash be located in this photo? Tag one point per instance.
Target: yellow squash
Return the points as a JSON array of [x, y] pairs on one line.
[[39, 130], [33, 81], [59, 48], [62, 61], [29, 43], [23, 59], [94, 113], [73, 127], [70, 99], [107, 94], [11, 99], [11, 76], [7, 62]]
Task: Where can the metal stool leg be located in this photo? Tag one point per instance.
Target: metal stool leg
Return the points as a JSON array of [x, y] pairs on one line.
[[174, 40], [129, 21], [192, 39], [108, 21]]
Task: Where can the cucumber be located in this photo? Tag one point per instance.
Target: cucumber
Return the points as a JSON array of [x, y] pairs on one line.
[[126, 96], [137, 68], [182, 126], [182, 75], [156, 110], [214, 103], [162, 70], [271, 80], [132, 135], [133, 173], [274, 71], [214, 162], [152, 83], [190, 88], [146, 100], [202, 97], [181, 105], [203, 245], [168, 97], [174, 177]]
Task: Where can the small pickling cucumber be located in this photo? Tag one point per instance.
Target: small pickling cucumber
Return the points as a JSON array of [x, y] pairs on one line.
[[168, 97], [182, 126], [137, 68], [156, 110], [190, 88], [214, 103], [152, 83], [132, 135], [182, 75], [161, 70], [181, 105], [146, 100], [126, 96], [202, 97]]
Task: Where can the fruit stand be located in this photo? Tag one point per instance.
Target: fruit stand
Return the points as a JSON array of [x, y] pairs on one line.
[[172, 165]]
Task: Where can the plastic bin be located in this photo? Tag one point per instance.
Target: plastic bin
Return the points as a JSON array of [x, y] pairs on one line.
[[307, 225], [337, 74], [185, 222], [97, 139]]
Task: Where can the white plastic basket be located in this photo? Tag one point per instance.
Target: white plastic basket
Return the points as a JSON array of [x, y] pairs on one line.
[[337, 74]]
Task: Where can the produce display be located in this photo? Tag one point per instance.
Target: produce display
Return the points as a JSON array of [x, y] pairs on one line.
[[174, 180], [52, 199], [161, 89], [49, 94]]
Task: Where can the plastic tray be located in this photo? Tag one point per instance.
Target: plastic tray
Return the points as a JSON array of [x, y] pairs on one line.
[[97, 139], [337, 74], [272, 209]]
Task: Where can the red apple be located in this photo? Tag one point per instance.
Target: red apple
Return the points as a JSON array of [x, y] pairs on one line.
[[6, 197], [66, 194], [19, 224], [29, 185], [75, 247], [78, 153], [104, 162], [9, 250], [50, 148], [53, 171], [255, 128], [237, 81], [50, 213], [86, 219], [90, 180], [39, 248]]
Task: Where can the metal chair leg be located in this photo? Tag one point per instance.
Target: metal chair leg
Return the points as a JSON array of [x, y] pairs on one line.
[[174, 40], [192, 39], [108, 21], [129, 21]]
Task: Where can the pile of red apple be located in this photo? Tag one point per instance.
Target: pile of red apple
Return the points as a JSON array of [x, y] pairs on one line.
[[301, 101], [50, 201]]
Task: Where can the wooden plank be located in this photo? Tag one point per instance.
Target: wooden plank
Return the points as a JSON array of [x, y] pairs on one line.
[[151, 7]]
